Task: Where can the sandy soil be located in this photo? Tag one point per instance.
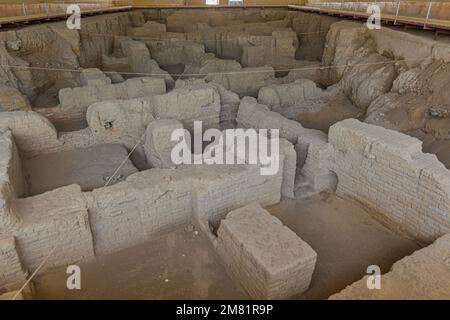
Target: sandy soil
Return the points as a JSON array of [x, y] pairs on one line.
[[327, 116], [441, 148], [174, 70], [346, 238], [90, 168], [182, 265]]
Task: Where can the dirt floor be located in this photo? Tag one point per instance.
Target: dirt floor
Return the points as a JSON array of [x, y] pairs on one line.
[[346, 238], [327, 116], [182, 264], [179, 265], [90, 168]]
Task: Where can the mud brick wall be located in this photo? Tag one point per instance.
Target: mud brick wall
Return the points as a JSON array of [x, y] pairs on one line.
[[289, 168], [269, 260], [12, 273], [147, 204], [134, 211], [77, 100], [12, 183], [140, 61], [155, 201], [424, 275], [387, 171], [220, 189], [251, 114], [32, 132], [313, 153], [189, 104], [244, 81], [56, 218]]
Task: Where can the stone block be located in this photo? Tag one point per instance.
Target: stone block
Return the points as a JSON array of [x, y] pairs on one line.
[[269, 260]]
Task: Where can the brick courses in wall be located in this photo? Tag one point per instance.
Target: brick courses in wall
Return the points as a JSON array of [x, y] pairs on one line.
[[12, 183], [58, 218], [146, 204], [383, 169], [387, 171], [77, 100], [269, 260], [12, 273], [115, 121]]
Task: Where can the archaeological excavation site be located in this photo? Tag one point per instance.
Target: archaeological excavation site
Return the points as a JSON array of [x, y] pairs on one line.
[[224, 150]]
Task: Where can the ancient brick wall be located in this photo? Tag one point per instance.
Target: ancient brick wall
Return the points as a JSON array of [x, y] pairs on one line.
[[387, 171], [12, 274]]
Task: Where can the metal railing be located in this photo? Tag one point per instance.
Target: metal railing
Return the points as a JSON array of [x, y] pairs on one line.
[[13, 10], [427, 13]]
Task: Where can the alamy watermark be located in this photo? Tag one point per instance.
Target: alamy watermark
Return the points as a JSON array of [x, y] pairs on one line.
[[74, 280], [374, 278], [74, 20], [374, 20], [232, 146]]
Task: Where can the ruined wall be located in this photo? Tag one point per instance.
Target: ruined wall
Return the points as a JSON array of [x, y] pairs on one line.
[[197, 102], [424, 275], [387, 171], [140, 61], [396, 78], [32, 132], [267, 258], [12, 274], [303, 101], [53, 46], [251, 114], [118, 121], [134, 211], [312, 32], [12, 183], [252, 44], [182, 21], [383, 169], [310, 145], [57, 220], [75, 101], [73, 225], [348, 43]]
